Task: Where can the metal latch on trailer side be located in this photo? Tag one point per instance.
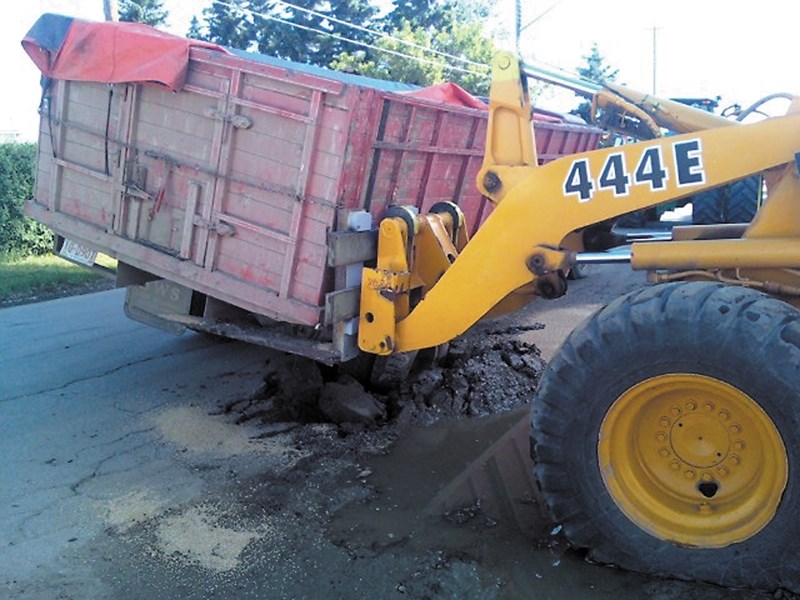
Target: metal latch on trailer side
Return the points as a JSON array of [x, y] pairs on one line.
[[219, 227], [238, 121]]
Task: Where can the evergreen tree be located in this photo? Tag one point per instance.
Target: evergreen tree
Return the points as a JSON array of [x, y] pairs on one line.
[[437, 15], [274, 28], [195, 32], [287, 32], [594, 69], [149, 12], [231, 23]]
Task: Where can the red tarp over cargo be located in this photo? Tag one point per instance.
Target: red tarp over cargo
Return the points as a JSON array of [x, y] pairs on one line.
[[71, 49], [450, 93]]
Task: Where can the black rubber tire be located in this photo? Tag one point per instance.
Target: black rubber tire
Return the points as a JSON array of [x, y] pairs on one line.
[[736, 335], [742, 200], [390, 371], [707, 207]]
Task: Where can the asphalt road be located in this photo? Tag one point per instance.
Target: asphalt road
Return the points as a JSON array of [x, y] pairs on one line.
[[120, 479], [79, 386]]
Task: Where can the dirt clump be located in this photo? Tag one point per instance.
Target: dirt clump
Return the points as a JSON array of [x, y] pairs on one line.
[[346, 401], [486, 372], [481, 375]]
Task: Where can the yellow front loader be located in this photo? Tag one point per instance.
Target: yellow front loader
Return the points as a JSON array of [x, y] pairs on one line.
[[666, 432]]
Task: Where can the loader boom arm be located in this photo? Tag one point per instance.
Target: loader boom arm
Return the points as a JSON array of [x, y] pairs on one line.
[[519, 249]]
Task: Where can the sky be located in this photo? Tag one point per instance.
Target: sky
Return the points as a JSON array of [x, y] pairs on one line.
[[703, 48]]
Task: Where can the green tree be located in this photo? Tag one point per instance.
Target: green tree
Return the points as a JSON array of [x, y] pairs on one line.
[[438, 15], [415, 64], [302, 43], [149, 12], [594, 69], [19, 235], [229, 24], [195, 32], [452, 27], [287, 32]]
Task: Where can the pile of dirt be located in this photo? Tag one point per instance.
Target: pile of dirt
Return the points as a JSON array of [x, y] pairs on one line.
[[481, 376], [486, 372]]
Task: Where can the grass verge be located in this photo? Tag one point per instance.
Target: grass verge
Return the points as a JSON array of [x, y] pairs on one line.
[[37, 278]]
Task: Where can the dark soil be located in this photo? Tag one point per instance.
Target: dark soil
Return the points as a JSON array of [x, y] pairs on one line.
[[488, 371]]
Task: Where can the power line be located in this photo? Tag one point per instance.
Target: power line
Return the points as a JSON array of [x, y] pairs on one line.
[[540, 16], [360, 43], [379, 33]]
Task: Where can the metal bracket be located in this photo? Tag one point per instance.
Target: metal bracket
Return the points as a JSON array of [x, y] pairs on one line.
[[238, 121], [219, 227]]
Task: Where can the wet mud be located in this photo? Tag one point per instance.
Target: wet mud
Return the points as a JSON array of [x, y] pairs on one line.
[[488, 372]]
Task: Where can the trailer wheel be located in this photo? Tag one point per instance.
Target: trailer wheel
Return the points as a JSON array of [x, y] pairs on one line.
[[666, 435]]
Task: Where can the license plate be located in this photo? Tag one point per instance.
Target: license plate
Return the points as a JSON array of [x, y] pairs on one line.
[[80, 254]]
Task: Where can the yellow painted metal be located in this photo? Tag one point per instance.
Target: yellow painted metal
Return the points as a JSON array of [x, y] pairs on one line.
[[536, 213], [539, 207], [384, 296], [780, 215], [669, 114], [434, 249], [509, 138], [717, 231], [385, 289], [514, 301], [710, 254], [611, 112], [407, 261], [693, 460]]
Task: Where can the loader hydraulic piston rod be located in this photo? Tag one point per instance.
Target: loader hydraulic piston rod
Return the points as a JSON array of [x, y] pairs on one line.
[[556, 76], [648, 236], [621, 256], [602, 258], [659, 112]]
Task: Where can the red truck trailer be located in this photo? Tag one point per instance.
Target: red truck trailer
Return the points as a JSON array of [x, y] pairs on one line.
[[241, 193]]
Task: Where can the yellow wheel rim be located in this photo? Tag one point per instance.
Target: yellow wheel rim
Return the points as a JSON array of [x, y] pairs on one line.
[[693, 460]]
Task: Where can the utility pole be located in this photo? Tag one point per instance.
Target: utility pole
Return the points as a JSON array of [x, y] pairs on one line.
[[655, 29], [111, 10]]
